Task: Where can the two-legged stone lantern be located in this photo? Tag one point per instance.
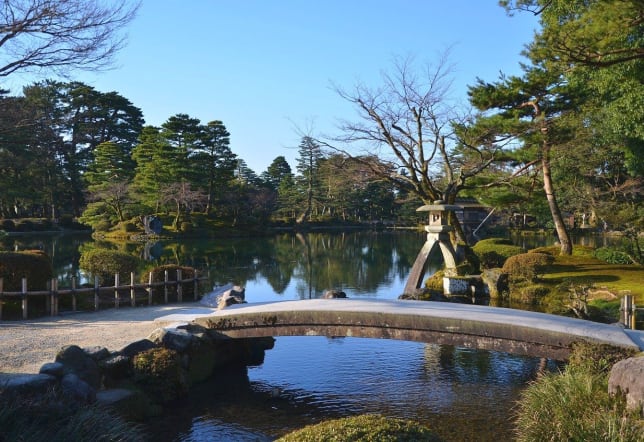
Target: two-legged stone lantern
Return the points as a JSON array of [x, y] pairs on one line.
[[437, 236]]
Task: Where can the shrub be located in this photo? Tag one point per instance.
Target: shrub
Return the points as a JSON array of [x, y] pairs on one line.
[[528, 294], [362, 428], [105, 263], [493, 252], [612, 256], [599, 358], [158, 275], [185, 226], [34, 265], [158, 372], [527, 266]]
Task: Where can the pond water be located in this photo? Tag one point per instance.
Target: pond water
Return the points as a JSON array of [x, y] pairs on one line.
[[462, 394]]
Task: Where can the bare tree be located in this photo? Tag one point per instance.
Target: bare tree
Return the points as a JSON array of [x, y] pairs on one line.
[[61, 34], [409, 124]]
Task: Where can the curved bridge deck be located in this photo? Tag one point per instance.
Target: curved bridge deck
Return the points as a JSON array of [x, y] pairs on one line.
[[472, 326]]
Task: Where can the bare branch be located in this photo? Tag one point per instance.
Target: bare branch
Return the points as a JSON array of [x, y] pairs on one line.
[[61, 34]]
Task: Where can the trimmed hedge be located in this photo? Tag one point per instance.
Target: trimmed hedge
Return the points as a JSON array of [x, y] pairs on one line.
[[527, 266], [493, 252], [34, 265], [105, 263]]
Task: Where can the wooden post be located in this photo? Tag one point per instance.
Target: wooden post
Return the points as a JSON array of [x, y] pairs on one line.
[[132, 294], [116, 290], [165, 286], [150, 288], [196, 284], [96, 292], [73, 293], [626, 310], [25, 306], [49, 298], [179, 286], [54, 297]]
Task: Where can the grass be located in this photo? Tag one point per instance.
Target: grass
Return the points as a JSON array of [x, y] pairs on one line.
[[607, 282], [575, 405]]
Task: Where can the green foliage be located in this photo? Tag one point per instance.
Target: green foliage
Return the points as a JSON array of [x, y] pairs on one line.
[[528, 293], [526, 266], [435, 282], [158, 372], [34, 265], [53, 418], [106, 263], [574, 406], [612, 256], [493, 252], [598, 358], [364, 428]]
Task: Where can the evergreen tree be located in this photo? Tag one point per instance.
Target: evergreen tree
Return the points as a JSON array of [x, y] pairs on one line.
[[212, 162], [310, 154]]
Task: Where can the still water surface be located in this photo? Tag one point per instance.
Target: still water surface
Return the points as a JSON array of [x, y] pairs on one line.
[[462, 394]]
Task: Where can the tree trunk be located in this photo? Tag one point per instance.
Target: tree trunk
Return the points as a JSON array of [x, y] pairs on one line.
[[562, 232]]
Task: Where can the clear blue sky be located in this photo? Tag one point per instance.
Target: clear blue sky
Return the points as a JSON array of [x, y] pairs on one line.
[[264, 67]]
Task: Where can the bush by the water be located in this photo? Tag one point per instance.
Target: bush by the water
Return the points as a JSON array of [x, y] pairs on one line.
[[106, 263], [364, 428], [158, 371], [612, 256], [493, 252], [575, 405], [527, 266], [158, 275], [34, 265]]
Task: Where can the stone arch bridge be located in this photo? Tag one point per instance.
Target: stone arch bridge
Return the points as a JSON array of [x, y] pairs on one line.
[[470, 326]]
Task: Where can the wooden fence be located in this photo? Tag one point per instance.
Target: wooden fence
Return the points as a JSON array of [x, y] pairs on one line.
[[53, 294]]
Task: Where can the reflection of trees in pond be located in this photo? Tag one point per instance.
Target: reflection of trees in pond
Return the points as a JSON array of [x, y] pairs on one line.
[[359, 261], [470, 366], [63, 250]]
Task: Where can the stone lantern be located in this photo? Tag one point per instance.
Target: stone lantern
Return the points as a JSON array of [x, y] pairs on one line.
[[437, 236]]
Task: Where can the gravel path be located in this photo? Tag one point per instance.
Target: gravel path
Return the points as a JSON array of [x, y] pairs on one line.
[[26, 345]]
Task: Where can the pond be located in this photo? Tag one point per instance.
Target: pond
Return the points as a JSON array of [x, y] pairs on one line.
[[462, 394]]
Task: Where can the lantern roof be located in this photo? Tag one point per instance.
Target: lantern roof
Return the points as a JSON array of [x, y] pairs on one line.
[[438, 206]]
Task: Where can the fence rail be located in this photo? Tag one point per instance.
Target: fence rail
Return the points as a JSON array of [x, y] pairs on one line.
[[53, 294]]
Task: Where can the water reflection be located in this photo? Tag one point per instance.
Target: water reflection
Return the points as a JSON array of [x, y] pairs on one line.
[[308, 379]]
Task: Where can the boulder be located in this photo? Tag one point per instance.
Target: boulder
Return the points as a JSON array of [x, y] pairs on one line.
[[235, 295], [76, 361], [76, 388], [179, 340], [137, 347], [627, 377], [53, 369], [334, 294], [97, 353], [27, 384], [497, 282], [116, 367], [131, 404]]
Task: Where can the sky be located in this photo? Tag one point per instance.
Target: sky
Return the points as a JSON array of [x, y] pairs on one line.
[[265, 68]]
